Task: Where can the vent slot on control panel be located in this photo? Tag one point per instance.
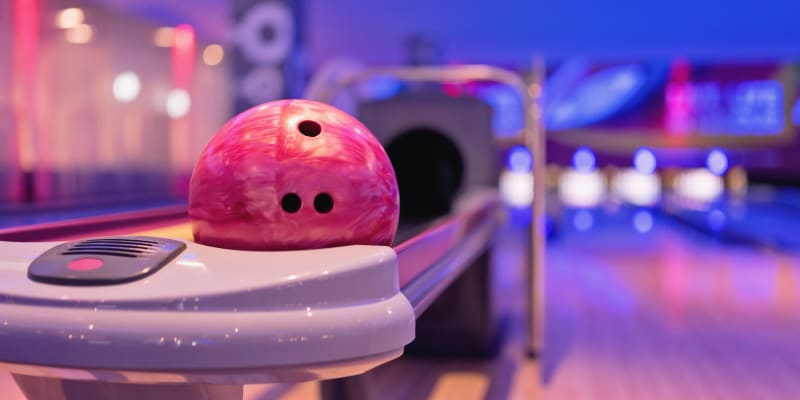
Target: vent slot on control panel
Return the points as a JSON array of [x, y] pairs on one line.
[[104, 260], [113, 247]]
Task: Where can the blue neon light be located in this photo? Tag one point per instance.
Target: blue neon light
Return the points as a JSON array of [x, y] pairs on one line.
[[595, 98], [745, 108], [582, 221], [508, 118], [519, 159], [717, 162], [715, 220], [584, 160], [382, 87], [644, 161], [757, 108], [643, 221]]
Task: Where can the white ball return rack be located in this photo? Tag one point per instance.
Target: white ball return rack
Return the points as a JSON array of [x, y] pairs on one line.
[[212, 320]]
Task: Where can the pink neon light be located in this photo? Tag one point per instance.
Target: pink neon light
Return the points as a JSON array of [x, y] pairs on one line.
[[25, 39], [678, 99], [183, 56]]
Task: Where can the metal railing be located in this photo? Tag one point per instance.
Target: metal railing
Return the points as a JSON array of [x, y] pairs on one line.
[[530, 89]]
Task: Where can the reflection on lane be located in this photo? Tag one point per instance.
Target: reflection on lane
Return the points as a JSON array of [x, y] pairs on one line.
[[669, 314], [761, 219]]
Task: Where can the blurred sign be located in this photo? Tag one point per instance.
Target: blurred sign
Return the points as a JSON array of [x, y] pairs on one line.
[[593, 97], [621, 107], [740, 108], [267, 51]]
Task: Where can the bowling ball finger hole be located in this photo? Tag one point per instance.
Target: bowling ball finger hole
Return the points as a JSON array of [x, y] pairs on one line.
[[309, 128], [323, 203], [291, 203]]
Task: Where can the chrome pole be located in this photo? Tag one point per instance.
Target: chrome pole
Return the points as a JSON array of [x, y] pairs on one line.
[[534, 136]]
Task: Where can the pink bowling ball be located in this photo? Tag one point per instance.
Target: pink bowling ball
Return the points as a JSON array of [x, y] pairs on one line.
[[293, 174]]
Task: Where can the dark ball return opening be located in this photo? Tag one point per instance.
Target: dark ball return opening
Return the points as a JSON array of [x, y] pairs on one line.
[[430, 171]]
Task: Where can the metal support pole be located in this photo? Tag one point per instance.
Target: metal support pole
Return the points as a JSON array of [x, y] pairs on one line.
[[534, 137]]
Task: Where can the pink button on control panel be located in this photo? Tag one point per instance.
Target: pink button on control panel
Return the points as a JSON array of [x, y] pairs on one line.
[[103, 261], [85, 264]]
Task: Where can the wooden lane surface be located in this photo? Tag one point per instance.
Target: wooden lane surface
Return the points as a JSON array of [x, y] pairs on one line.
[[176, 231]]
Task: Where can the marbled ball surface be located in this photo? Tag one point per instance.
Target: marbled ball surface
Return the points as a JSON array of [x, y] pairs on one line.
[[293, 174]]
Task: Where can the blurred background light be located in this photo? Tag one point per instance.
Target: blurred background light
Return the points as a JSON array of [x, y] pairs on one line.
[[637, 188], [164, 36], [516, 188], [520, 159], [583, 220], [643, 221], [126, 87], [590, 98], [178, 103], [380, 87], [79, 34], [69, 18], [213, 54], [717, 162], [183, 36], [715, 220], [644, 161], [508, 118], [581, 189], [583, 160], [699, 185]]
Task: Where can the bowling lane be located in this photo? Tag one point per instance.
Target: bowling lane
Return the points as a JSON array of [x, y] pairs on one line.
[[670, 313], [766, 219], [15, 215]]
